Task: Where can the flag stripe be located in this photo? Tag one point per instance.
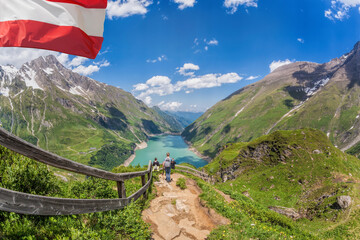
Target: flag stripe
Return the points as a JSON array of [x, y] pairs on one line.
[[90, 20], [33, 34], [84, 3]]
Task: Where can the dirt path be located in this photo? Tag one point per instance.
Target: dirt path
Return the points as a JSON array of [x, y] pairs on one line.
[[178, 214]]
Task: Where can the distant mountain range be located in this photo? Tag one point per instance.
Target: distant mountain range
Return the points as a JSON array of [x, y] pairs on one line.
[[301, 94], [74, 116]]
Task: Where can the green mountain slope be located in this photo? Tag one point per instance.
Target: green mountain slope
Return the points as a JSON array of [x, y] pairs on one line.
[[299, 170], [302, 94], [72, 115]]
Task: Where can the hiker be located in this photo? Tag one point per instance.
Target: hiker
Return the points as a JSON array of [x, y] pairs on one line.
[[173, 164], [167, 167], [156, 165]]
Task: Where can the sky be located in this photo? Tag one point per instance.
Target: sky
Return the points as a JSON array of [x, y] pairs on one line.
[[186, 55]]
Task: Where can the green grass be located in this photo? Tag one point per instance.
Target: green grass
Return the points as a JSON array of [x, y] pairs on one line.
[[181, 183], [22, 174], [297, 169]]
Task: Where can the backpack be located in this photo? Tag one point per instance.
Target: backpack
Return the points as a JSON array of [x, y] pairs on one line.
[[167, 162]]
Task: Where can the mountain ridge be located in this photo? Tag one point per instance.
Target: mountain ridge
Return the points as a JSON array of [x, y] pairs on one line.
[[297, 95]]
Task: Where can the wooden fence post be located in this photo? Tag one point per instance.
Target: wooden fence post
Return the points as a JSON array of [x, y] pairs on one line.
[[121, 189], [143, 182]]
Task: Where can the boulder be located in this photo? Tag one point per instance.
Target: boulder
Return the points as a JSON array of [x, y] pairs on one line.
[[344, 201], [288, 212]]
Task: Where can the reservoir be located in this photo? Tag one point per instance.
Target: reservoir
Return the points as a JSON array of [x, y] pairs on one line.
[[158, 146]]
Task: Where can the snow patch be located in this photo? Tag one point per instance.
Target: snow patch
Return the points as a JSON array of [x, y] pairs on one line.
[[29, 78], [5, 92], [311, 91], [10, 71], [48, 71], [77, 91]]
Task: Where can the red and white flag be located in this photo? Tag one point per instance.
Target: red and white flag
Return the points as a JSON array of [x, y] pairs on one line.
[[70, 26]]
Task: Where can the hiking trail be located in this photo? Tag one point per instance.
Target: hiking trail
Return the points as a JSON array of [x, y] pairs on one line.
[[177, 214]]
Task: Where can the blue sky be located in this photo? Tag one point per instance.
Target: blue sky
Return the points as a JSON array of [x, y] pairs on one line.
[[189, 54]]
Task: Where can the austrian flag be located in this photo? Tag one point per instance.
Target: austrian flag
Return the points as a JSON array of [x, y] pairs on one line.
[[70, 26]]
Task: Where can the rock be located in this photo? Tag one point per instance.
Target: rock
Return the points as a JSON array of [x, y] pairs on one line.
[[288, 212], [247, 194], [271, 177], [344, 201], [317, 151], [277, 198]]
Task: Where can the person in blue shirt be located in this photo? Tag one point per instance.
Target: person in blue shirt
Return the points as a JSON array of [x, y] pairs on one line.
[[167, 167]]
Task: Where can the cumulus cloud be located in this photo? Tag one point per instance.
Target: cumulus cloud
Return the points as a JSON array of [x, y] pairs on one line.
[[19, 56], [276, 64], [233, 5], [158, 59], [208, 81], [339, 9], [300, 40], [147, 100], [188, 69], [162, 85], [170, 106], [77, 64], [185, 3], [126, 8]]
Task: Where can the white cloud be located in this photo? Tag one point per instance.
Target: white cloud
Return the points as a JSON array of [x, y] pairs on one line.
[[19, 56], [252, 78], [158, 59], [339, 9], [126, 8], [147, 100], [185, 3], [158, 81], [188, 69], [234, 4], [213, 42], [206, 48], [170, 106], [140, 87], [77, 64], [208, 81], [300, 40], [86, 70], [276, 64]]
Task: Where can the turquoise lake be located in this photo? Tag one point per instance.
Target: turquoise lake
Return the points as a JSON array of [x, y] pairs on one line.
[[158, 147]]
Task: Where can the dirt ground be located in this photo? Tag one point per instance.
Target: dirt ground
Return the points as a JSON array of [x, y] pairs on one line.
[[178, 214]]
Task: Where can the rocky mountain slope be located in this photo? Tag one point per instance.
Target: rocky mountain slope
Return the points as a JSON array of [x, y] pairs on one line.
[[302, 94], [74, 116]]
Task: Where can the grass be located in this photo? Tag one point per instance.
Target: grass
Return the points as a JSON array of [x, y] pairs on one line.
[[181, 183]]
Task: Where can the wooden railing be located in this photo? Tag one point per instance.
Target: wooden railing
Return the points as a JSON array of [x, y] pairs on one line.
[[12, 201], [193, 171]]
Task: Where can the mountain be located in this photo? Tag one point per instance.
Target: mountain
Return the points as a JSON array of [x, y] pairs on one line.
[[297, 95], [74, 116], [170, 119], [185, 118]]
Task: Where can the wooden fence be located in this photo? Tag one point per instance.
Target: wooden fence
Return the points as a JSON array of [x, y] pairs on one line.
[[23, 203], [194, 172]]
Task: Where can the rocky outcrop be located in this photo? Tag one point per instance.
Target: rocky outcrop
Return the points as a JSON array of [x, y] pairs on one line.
[[288, 212]]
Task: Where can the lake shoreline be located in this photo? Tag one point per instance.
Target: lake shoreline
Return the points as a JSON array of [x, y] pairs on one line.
[[196, 152], [139, 146]]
